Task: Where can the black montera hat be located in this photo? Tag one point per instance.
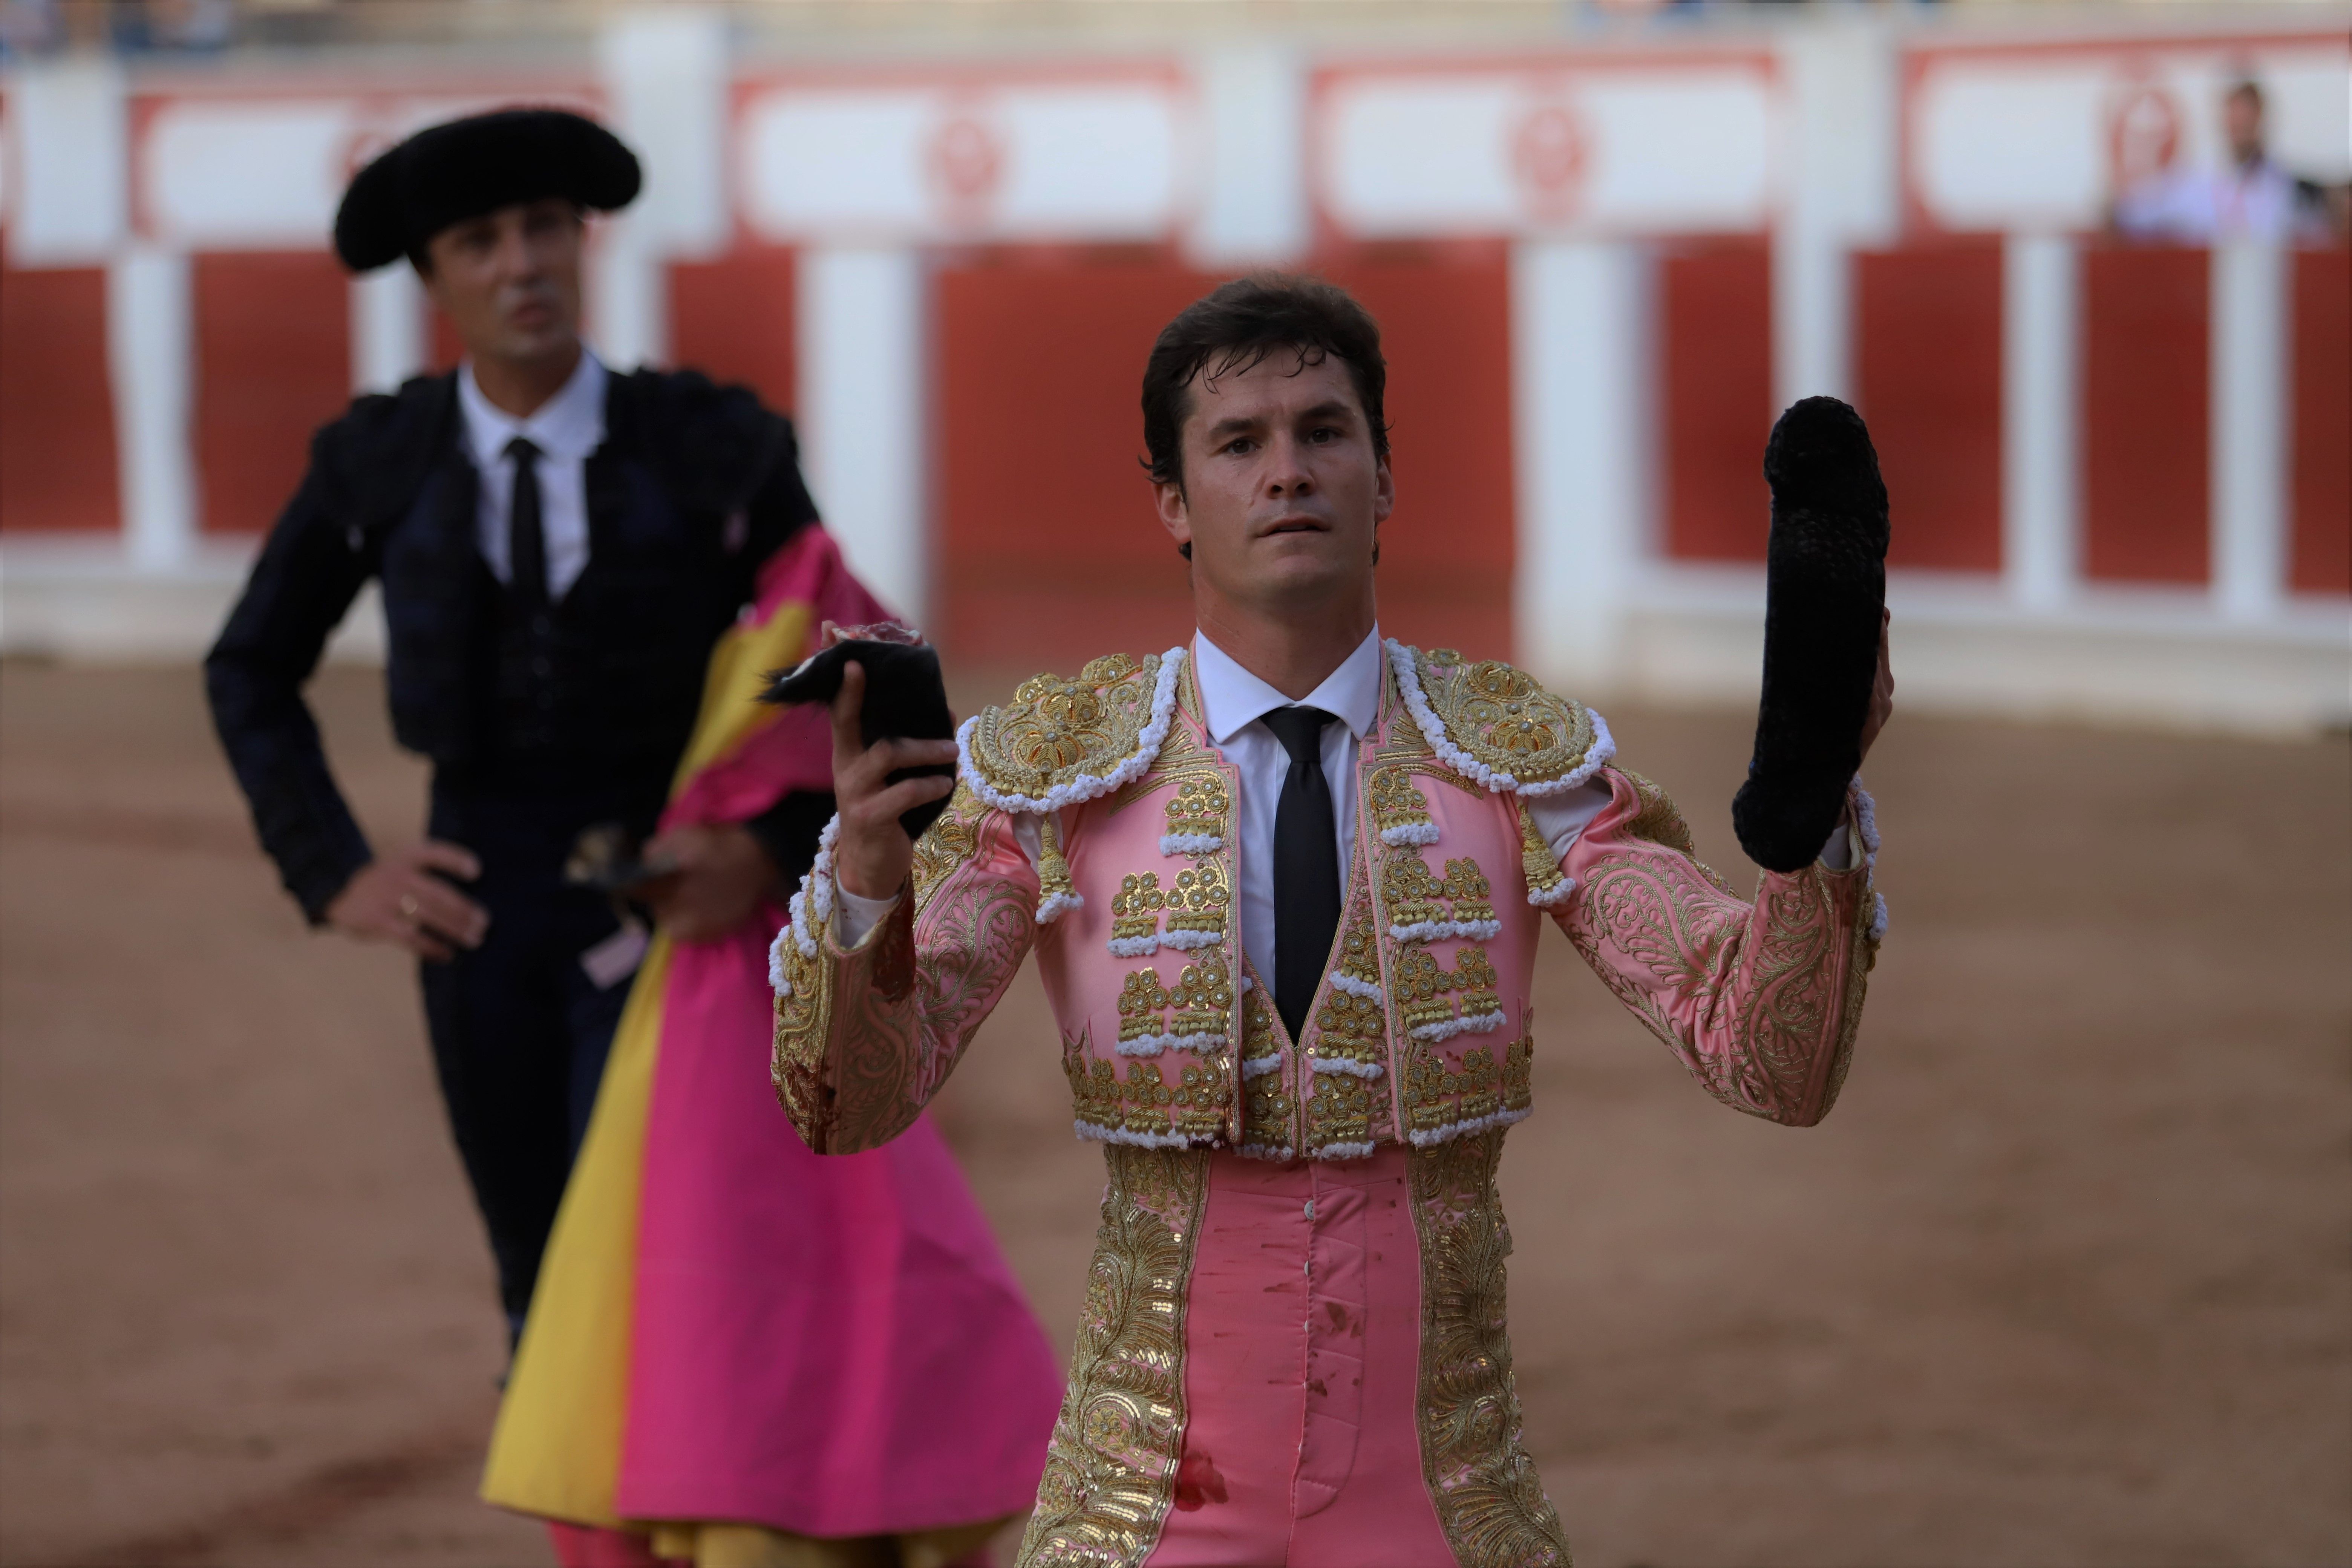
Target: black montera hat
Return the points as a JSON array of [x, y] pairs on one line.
[[446, 173]]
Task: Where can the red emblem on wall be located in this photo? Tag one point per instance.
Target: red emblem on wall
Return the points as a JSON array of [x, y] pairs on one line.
[[966, 165], [2142, 131], [1551, 151]]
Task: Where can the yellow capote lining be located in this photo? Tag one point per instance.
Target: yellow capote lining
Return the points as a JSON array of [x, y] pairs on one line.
[[556, 1449]]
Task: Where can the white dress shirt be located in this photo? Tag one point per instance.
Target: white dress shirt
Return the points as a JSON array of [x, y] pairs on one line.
[[565, 429]]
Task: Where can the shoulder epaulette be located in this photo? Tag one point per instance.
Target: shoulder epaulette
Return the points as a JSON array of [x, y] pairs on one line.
[[1496, 726], [1062, 741]]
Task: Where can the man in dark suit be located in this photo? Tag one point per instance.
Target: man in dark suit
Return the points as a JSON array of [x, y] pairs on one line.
[[559, 547]]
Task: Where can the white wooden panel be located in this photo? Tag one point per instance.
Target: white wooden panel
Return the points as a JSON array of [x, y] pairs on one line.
[[247, 175], [1601, 150], [950, 161], [66, 207], [221, 172]]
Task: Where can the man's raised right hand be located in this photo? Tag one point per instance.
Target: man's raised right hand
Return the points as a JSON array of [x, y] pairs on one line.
[[397, 898], [873, 854]]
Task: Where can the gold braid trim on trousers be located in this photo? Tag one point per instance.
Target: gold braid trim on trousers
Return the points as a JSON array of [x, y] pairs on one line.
[[1110, 1466], [1489, 1500]]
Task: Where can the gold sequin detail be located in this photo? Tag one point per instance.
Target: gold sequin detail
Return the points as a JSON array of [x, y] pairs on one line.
[[1414, 895], [1199, 808], [952, 838], [1057, 729], [1490, 1501], [1437, 1096], [1199, 901], [1135, 907], [1110, 1464], [1340, 1111], [1504, 720], [1394, 802], [1537, 862]]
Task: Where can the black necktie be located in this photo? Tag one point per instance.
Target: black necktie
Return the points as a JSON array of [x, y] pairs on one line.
[[1305, 866], [526, 540]]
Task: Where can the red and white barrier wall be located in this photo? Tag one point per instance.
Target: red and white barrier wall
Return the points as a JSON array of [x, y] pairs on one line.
[[2123, 475]]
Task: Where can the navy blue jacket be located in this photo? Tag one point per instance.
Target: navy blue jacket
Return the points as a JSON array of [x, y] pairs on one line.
[[694, 487]]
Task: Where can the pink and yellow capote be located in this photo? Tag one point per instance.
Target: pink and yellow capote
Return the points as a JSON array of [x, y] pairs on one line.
[[1293, 1349], [730, 1334]]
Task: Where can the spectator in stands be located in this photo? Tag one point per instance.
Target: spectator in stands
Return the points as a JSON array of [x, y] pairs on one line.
[[2252, 197]]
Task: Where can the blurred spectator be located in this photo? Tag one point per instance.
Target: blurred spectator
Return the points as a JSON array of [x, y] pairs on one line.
[[29, 27], [173, 24], [2252, 197]]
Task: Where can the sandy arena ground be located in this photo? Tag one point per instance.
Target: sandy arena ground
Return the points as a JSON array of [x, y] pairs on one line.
[[2063, 1281]]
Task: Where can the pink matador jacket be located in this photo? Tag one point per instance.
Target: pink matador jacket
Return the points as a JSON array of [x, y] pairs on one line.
[[1293, 1348]]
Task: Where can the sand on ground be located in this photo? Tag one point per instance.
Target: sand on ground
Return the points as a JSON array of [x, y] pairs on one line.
[[2064, 1279]]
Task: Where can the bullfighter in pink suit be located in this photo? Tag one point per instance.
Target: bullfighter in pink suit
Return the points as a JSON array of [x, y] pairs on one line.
[[1284, 886]]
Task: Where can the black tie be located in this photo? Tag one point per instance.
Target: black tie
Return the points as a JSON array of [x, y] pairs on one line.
[[1305, 866], [526, 541]]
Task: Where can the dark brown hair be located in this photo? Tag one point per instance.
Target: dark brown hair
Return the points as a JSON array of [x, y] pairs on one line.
[[1237, 325]]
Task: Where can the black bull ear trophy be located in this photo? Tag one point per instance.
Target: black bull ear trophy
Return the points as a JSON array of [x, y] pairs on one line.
[[1825, 593], [906, 699]]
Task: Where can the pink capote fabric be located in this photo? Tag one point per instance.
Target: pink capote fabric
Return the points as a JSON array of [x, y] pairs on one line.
[[832, 1346]]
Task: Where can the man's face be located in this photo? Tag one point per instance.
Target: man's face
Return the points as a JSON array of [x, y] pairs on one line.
[[2241, 118], [1282, 492], [509, 281]]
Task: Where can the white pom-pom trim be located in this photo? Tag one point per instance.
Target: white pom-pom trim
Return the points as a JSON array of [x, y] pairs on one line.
[[1086, 786], [1153, 1045], [1259, 1067], [1355, 987], [1452, 1130], [1553, 897], [1280, 1154], [813, 902], [1248, 986], [776, 980], [1446, 1028], [1191, 941], [1133, 946], [1445, 931], [1098, 1134], [1416, 703], [1342, 1151], [1865, 819], [1189, 844], [1050, 909], [1877, 931], [1348, 1065], [1409, 833]]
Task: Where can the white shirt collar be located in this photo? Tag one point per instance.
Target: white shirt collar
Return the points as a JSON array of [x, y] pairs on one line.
[[1232, 698], [568, 425]]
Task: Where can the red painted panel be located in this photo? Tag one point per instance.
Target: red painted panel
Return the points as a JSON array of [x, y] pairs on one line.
[[57, 412], [2320, 481], [1927, 378], [1446, 553], [2146, 466], [1714, 376], [273, 363], [731, 319], [1050, 550], [443, 348]]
